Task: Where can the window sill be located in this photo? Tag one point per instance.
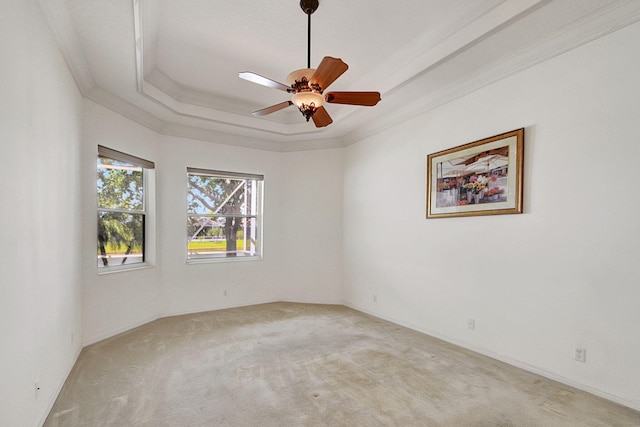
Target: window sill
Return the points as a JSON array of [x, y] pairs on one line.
[[121, 269], [224, 259]]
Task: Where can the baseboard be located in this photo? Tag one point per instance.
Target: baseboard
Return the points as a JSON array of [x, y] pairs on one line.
[[215, 308], [505, 359], [103, 336], [118, 331], [323, 302], [55, 395]]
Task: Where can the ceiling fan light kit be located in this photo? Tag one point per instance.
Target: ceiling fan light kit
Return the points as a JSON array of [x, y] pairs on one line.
[[306, 96], [308, 84]]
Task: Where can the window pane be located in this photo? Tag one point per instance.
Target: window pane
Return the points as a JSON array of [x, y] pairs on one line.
[[212, 195], [120, 238], [218, 236], [120, 185]]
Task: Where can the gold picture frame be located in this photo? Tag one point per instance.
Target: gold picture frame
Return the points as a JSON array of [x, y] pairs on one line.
[[479, 178]]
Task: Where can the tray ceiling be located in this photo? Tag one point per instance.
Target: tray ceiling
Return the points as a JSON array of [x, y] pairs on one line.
[[172, 65]]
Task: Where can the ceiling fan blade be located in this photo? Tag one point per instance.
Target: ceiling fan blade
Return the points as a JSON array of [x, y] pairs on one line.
[[272, 109], [368, 99], [257, 78], [321, 118], [328, 71]]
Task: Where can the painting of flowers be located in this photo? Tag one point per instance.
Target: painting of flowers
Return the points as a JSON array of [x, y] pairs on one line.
[[480, 178]]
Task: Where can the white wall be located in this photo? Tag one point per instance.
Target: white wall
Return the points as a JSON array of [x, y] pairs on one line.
[[562, 275], [200, 287], [302, 230], [312, 226], [115, 302], [40, 195]]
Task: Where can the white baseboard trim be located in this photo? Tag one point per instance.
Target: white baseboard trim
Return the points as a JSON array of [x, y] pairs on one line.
[[505, 359], [112, 333], [215, 308], [323, 302], [55, 395]]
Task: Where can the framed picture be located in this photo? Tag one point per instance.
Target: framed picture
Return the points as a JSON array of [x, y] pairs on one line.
[[479, 178]]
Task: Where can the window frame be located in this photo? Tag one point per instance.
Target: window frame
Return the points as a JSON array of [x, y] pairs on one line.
[[147, 211], [257, 216]]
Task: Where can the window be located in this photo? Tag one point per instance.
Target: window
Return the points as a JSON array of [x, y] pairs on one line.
[[122, 208], [224, 215]]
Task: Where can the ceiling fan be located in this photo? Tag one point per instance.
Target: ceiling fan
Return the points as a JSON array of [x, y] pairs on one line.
[[308, 85]]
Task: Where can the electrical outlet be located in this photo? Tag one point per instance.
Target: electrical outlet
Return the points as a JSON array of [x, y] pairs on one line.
[[471, 323], [581, 355]]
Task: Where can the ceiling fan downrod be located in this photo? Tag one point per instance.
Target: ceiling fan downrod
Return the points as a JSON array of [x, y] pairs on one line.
[[308, 7]]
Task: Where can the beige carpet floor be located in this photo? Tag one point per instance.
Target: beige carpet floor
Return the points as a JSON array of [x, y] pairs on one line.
[[286, 364]]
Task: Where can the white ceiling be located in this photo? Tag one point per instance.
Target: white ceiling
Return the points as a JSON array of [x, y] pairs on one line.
[[172, 65]]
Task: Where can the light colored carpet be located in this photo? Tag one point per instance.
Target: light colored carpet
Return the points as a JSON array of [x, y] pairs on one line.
[[286, 364]]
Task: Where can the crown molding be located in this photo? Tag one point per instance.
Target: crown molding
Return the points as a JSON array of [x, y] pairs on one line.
[[475, 22], [162, 127], [57, 16], [607, 21]]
